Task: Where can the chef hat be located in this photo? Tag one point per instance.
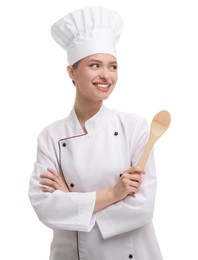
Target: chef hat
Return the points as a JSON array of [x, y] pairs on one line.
[[88, 31]]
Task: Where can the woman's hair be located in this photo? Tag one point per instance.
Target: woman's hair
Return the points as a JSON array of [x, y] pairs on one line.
[[74, 66]]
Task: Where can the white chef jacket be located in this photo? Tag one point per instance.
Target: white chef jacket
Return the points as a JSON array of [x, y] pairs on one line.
[[91, 162]]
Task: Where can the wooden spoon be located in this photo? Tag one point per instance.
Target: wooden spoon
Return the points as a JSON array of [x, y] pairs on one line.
[[159, 125]]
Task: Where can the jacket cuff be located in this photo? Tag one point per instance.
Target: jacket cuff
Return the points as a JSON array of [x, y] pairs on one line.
[[105, 224], [85, 218]]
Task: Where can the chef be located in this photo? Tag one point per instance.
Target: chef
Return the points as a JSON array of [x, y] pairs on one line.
[[86, 185]]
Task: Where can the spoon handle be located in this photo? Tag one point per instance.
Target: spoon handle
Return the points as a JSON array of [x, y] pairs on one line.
[[147, 150], [146, 153]]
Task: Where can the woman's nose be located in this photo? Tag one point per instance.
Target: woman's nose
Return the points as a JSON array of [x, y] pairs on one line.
[[104, 73]]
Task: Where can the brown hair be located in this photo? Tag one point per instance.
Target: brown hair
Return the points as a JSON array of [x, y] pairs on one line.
[[74, 66]]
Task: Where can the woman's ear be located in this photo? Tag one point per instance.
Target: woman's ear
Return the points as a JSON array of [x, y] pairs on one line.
[[70, 71]]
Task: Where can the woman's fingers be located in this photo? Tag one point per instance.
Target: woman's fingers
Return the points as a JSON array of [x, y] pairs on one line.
[[50, 176], [53, 181], [136, 177], [132, 181], [135, 170], [53, 172], [133, 184], [49, 183], [51, 190]]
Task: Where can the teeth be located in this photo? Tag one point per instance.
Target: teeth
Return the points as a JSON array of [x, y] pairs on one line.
[[102, 86]]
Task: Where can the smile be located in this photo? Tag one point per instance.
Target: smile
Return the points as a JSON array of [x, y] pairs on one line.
[[102, 86]]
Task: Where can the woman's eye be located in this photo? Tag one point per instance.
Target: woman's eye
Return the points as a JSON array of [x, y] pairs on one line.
[[114, 67], [94, 66]]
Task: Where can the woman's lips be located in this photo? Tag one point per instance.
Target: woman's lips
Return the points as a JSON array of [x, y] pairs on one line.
[[103, 86]]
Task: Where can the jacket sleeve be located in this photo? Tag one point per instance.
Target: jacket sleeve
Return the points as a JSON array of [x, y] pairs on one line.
[[132, 212], [58, 210]]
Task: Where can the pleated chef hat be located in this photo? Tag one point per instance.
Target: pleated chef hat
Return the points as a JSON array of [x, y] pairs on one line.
[[88, 31]]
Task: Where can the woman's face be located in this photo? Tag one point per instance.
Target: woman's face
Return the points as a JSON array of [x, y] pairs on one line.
[[95, 77]]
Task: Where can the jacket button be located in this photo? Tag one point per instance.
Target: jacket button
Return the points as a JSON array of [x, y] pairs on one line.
[[116, 133], [64, 144], [130, 256], [71, 185]]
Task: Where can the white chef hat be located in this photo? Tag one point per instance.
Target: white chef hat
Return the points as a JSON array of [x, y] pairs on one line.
[[88, 31]]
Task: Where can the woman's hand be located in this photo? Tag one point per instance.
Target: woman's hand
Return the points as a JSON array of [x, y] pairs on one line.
[[128, 184], [53, 181]]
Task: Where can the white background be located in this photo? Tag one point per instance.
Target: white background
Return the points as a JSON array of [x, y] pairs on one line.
[[158, 69]]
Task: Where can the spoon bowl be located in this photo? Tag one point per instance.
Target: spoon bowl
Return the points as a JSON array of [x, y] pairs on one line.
[[159, 125]]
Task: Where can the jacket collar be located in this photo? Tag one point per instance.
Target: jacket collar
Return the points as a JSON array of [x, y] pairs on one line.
[[92, 124]]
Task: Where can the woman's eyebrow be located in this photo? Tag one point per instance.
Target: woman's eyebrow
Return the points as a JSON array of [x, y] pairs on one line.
[[99, 61]]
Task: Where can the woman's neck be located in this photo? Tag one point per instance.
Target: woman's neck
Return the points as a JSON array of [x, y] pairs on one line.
[[86, 110]]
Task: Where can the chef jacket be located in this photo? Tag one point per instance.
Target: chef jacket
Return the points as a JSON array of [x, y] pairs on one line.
[[89, 162]]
